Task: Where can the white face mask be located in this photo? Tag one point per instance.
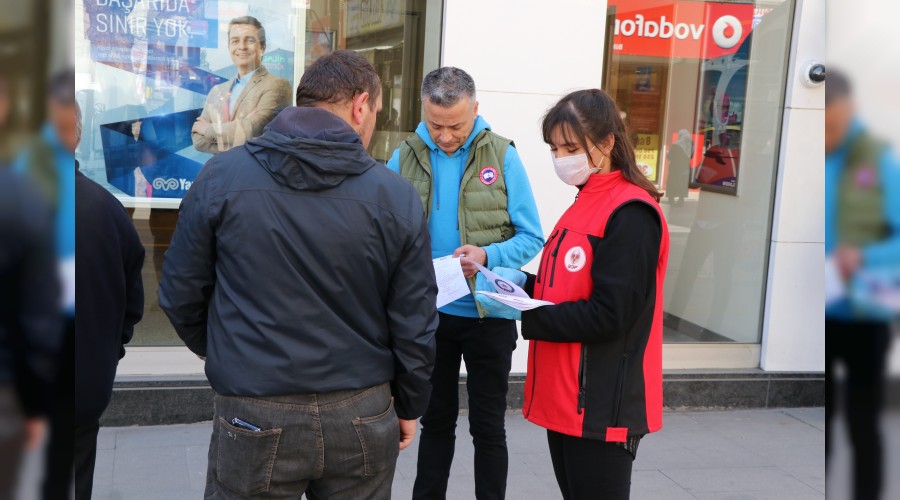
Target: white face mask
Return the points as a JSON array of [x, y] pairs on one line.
[[574, 170]]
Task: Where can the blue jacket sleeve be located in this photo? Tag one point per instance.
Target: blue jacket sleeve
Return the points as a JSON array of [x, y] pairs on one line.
[[394, 162], [528, 240], [887, 252], [189, 274]]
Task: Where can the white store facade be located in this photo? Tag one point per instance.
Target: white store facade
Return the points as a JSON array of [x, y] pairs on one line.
[[745, 283]]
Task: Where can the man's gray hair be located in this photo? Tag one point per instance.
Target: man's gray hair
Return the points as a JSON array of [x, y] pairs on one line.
[[252, 21], [77, 123], [446, 86]]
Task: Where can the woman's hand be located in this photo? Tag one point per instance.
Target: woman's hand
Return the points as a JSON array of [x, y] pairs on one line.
[[496, 309]]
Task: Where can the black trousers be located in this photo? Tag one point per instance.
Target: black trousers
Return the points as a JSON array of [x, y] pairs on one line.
[[12, 440], [59, 455], [85, 458], [590, 469], [486, 345], [862, 348]]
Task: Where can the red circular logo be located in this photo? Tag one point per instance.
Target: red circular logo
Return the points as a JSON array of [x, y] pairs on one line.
[[488, 175]]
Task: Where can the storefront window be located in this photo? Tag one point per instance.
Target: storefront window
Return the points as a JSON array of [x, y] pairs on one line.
[[147, 69], [701, 85]]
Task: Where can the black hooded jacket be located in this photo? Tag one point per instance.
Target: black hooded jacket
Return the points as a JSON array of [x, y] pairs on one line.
[[300, 264], [110, 301]]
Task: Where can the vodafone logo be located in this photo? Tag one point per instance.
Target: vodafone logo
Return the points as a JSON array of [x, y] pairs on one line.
[[727, 31], [658, 28], [686, 29]]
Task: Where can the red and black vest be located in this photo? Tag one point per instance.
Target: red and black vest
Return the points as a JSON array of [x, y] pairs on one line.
[[600, 390]]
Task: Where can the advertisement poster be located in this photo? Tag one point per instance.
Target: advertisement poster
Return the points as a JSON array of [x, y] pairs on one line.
[[646, 152], [722, 92], [144, 69], [368, 16]]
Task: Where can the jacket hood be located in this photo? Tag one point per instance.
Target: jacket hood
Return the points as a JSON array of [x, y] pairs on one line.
[[480, 124], [310, 149]]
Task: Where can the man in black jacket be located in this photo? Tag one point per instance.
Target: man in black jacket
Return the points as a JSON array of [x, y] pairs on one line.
[[109, 256], [31, 323], [302, 272]]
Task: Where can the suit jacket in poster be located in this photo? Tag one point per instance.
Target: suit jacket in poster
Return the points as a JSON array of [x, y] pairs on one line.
[[263, 98]]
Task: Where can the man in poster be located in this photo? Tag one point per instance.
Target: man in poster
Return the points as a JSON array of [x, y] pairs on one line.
[[240, 108]]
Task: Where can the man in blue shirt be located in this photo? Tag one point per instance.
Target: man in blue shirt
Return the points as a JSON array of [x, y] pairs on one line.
[[50, 163], [480, 207], [862, 232]]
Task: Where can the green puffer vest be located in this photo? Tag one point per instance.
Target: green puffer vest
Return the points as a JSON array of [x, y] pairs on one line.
[[860, 211], [482, 218], [40, 164]]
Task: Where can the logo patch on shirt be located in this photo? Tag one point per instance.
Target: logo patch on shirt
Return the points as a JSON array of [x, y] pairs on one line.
[[866, 177], [575, 259], [488, 175]]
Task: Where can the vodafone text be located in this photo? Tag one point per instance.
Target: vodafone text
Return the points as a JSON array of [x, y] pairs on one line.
[[660, 28]]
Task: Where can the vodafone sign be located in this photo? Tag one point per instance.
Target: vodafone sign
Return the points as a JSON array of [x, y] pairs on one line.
[[727, 31], [692, 30]]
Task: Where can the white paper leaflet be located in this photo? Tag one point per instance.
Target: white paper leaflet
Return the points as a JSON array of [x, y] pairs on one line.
[[451, 281], [508, 293]]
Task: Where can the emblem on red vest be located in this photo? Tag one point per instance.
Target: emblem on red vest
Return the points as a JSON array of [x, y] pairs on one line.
[[488, 175], [575, 259]]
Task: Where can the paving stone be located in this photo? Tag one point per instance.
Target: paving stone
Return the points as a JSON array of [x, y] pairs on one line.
[[740, 454]]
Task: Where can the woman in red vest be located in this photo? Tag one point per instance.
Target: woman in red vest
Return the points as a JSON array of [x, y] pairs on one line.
[[595, 359]]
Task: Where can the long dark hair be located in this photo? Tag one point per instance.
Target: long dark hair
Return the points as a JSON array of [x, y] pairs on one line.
[[592, 115]]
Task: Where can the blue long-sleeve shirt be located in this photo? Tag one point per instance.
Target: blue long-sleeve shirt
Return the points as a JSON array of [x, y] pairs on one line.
[[880, 254], [447, 173], [64, 163]]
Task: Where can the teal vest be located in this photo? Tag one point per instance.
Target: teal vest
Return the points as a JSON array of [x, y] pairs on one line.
[[40, 164], [483, 217], [860, 210]]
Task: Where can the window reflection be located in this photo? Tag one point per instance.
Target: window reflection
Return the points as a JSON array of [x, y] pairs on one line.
[[701, 86], [145, 72]]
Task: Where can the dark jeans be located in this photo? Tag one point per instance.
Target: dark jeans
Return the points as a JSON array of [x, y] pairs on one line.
[[341, 444], [12, 440], [863, 348], [487, 346], [85, 458], [588, 468]]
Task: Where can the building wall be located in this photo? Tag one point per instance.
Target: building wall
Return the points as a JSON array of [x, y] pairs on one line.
[[524, 59], [794, 323], [520, 71]]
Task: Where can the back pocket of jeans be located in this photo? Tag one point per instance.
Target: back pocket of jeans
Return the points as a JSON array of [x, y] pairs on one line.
[[379, 437], [244, 458]]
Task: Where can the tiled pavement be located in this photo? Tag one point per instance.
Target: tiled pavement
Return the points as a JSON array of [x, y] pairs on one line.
[[745, 454]]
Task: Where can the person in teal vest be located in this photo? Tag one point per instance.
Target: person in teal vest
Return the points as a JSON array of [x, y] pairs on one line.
[[862, 231], [480, 207], [49, 162]]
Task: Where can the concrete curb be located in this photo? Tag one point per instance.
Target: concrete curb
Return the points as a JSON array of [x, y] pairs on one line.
[[179, 400]]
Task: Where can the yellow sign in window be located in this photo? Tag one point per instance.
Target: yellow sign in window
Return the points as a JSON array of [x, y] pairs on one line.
[[646, 152]]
